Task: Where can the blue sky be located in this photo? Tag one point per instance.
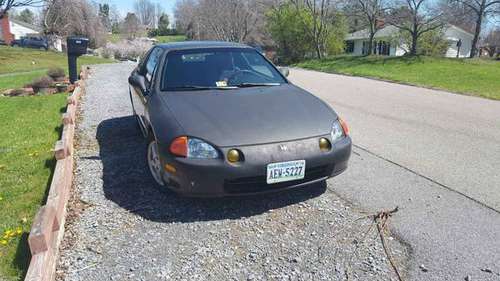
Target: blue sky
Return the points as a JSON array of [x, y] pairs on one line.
[[125, 6]]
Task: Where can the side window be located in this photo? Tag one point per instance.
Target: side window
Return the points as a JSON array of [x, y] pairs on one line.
[[152, 62]]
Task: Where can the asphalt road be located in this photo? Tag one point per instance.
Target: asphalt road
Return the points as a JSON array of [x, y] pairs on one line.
[[434, 154]]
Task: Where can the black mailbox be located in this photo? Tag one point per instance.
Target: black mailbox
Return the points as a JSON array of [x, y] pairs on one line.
[[76, 47]]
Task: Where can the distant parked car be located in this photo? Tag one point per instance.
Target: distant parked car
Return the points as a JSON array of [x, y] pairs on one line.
[[31, 42], [222, 120]]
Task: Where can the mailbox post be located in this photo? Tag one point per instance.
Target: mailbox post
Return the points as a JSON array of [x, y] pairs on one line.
[[76, 46]]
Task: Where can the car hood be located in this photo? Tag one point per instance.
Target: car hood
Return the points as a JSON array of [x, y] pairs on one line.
[[249, 116]]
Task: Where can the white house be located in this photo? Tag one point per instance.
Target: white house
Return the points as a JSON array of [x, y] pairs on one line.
[[357, 42], [11, 29], [20, 29]]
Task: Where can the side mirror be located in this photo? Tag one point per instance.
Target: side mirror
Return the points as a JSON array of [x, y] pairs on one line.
[[138, 81], [284, 70]]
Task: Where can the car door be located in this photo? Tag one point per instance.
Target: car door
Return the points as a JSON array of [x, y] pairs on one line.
[[31, 43], [27, 42], [139, 97], [38, 43]]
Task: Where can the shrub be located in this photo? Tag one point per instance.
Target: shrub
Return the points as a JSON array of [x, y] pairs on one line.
[[153, 32], [127, 49], [432, 43], [56, 72], [42, 82], [284, 24], [107, 53]]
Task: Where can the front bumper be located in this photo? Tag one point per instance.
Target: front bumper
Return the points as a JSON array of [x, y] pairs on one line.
[[218, 177]]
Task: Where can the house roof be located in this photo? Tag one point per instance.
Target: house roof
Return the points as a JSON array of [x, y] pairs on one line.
[[387, 31], [27, 25], [460, 30]]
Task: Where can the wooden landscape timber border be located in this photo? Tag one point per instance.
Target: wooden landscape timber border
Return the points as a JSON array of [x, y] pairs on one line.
[[47, 229]]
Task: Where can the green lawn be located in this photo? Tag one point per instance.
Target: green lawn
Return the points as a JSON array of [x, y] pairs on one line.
[[20, 66], [170, 38], [30, 127], [18, 80], [468, 76]]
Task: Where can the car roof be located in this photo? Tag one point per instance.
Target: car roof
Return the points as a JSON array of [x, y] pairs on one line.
[[185, 45]]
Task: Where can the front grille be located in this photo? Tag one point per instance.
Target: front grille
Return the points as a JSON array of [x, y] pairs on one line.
[[259, 184]]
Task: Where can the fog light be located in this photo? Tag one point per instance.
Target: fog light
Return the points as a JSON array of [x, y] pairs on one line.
[[324, 144], [233, 156], [169, 168]]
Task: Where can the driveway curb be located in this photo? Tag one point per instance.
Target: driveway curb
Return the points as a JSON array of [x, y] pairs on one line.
[[47, 230]]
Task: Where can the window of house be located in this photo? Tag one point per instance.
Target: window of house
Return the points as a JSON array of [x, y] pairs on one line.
[[349, 48]]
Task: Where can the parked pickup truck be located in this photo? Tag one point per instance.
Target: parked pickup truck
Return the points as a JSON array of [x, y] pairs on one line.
[[31, 42]]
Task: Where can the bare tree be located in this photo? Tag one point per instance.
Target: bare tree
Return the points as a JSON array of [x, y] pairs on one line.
[[481, 9], [131, 26], [185, 17], [457, 14], [492, 43], [6, 5], [231, 20], [371, 13], [414, 17], [158, 13], [26, 16], [115, 18], [74, 17], [146, 12], [225, 20]]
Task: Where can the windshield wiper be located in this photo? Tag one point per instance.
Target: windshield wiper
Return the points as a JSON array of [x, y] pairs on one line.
[[247, 85], [201, 88]]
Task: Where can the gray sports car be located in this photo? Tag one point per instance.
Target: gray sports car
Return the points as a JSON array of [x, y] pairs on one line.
[[222, 120]]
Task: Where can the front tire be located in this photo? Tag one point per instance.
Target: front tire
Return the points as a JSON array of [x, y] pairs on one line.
[[154, 162]]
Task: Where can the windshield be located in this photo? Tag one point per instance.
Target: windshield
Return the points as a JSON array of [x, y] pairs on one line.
[[218, 68]]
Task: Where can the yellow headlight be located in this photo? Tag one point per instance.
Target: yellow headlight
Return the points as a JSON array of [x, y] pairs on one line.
[[233, 156], [324, 144]]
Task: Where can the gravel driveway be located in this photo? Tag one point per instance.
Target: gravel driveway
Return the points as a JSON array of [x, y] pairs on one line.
[[122, 227]]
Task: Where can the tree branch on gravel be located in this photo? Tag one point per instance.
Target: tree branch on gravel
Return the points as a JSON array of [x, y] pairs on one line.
[[381, 220]]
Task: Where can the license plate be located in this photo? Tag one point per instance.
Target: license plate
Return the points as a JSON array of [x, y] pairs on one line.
[[286, 171]]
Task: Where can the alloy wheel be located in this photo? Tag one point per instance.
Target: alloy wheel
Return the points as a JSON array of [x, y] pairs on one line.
[[154, 162]]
